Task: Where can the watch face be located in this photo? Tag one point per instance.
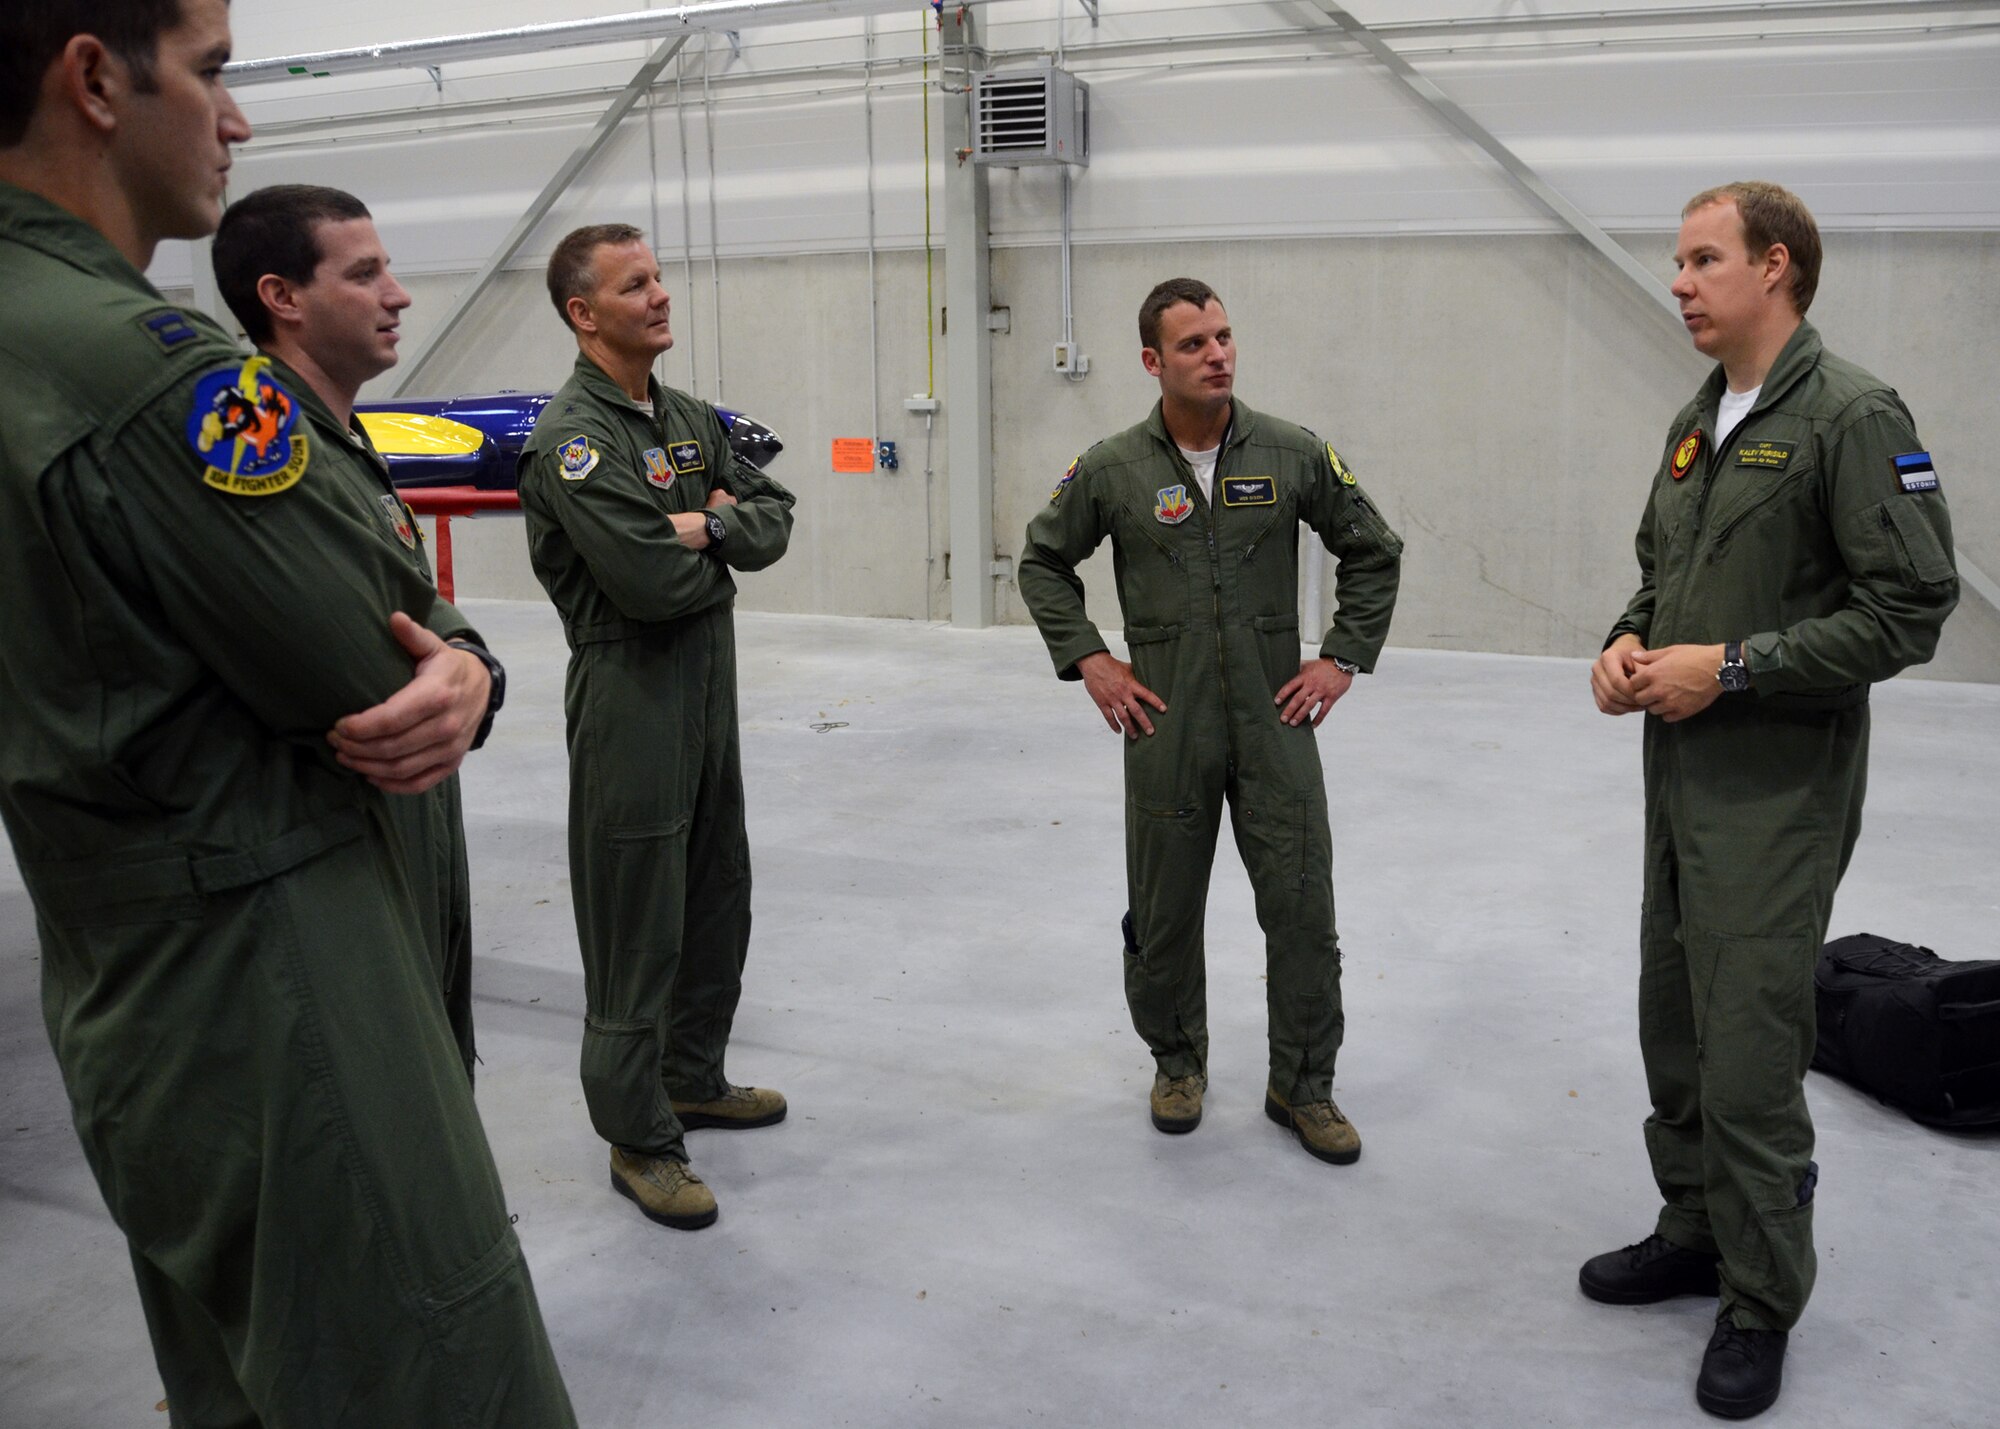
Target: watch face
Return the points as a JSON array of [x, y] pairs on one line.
[[1735, 679]]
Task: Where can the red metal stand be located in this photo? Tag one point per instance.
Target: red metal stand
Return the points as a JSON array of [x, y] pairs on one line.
[[445, 502]]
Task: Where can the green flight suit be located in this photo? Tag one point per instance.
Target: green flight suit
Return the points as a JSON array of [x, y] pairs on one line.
[[1798, 536], [659, 859], [1210, 598], [430, 827], [234, 977]]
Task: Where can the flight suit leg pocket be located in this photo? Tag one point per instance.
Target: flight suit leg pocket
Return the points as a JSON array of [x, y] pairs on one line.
[[622, 1037], [1153, 649], [1278, 649]]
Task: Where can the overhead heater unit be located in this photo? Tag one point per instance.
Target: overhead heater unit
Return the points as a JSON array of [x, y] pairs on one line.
[[1030, 116]]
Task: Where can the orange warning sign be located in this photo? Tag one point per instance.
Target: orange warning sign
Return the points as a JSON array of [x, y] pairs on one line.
[[856, 454]]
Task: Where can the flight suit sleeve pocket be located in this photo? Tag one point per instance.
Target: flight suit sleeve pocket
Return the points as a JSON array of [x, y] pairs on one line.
[[1919, 552]]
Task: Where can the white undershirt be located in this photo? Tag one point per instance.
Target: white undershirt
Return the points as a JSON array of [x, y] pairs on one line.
[[1204, 469], [1734, 408]]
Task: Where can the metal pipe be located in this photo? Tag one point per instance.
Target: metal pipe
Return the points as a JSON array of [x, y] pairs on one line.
[[640, 25], [874, 351], [687, 232], [1068, 336], [714, 248]]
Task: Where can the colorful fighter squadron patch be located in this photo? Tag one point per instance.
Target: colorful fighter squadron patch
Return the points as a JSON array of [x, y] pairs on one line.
[[1684, 455], [244, 428], [1067, 477], [578, 458], [1915, 472], [1339, 467], [658, 473], [1173, 506], [399, 520], [686, 457]]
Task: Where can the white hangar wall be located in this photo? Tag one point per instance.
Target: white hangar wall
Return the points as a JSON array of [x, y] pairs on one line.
[[1498, 385]]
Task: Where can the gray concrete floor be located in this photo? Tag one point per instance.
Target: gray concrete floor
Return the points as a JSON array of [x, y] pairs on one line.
[[968, 1221]]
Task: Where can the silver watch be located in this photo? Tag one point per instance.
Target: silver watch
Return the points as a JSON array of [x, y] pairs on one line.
[[1346, 667]]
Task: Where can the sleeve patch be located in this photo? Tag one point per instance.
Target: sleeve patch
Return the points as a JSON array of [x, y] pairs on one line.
[[169, 327], [1339, 467], [1067, 477], [244, 427], [578, 458], [1915, 471]]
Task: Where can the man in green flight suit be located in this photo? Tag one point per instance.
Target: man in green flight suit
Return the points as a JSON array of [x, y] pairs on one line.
[[305, 273], [208, 659], [1794, 550], [636, 510], [1202, 503]]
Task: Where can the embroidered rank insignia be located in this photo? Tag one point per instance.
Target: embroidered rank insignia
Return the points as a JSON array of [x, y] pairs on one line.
[[399, 520], [244, 428], [686, 457], [1067, 477], [1173, 506], [169, 328], [1915, 471], [1685, 453], [1339, 467], [1773, 456], [578, 457], [658, 473], [1249, 491]]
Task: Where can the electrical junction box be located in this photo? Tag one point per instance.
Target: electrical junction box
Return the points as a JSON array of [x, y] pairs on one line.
[[1069, 361], [1039, 115]]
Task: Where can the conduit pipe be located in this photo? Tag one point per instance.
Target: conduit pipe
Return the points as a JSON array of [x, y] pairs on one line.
[[639, 25]]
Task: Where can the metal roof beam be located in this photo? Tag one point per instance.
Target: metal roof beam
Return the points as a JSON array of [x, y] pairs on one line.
[[606, 126], [1523, 176], [536, 39]]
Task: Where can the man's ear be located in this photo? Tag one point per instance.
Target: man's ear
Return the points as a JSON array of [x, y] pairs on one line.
[[91, 80], [1149, 359], [580, 316], [1777, 266], [280, 297]]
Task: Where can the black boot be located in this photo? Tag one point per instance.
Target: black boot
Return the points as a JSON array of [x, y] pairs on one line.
[[1654, 1269], [1741, 1372]]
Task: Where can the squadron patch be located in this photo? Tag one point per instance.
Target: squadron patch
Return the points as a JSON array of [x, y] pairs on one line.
[[244, 428], [1339, 467], [1915, 472], [1249, 491], [658, 473], [1067, 477], [1685, 453], [578, 457], [399, 520], [686, 457], [1173, 506]]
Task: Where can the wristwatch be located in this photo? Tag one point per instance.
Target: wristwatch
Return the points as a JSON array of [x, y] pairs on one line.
[[1346, 667], [496, 694], [1734, 676], [717, 532]]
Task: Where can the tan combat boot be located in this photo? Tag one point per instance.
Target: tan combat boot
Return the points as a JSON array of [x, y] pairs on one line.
[[1177, 1102], [737, 1109], [1321, 1129], [666, 1191]]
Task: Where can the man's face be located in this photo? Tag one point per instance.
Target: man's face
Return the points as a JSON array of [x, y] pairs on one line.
[[1196, 358], [351, 310], [1725, 290], [628, 305], [171, 152]]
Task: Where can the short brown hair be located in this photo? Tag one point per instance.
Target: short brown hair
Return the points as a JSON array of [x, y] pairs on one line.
[[34, 32], [570, 272], [1772, 214], [1164, 296], [274, 230]]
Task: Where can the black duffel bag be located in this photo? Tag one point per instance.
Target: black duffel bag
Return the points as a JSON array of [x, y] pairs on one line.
[[1917, 1031]]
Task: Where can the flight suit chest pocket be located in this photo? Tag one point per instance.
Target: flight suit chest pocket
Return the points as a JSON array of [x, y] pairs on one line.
[[1154, 559]]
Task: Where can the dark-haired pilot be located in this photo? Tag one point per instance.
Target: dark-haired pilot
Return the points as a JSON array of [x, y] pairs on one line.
[[234, 973]]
